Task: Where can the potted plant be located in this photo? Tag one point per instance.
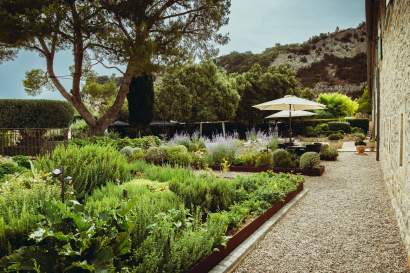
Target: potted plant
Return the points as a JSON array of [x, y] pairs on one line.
[[360, 146]]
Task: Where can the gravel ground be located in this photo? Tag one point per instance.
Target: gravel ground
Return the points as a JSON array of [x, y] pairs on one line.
[[344, 224]]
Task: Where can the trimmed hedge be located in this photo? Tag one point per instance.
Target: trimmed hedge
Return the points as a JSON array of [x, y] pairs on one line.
[[362, 123], [35, 114], [339, 126]]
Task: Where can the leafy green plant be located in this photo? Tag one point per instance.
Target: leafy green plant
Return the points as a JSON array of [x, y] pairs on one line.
[[273, 144], [264, 158], [220, 153], [328, 153], [281, 158], [211, 194], [337, 126], [24, 201], [246, 158], [357, 130], [91, 166], [359, 143], [155, 155], [9, 168], [322, 128], [309, 160], [22, 161], [310, 131], [335, 136], [176, 155], [161, 174], [359, 136]]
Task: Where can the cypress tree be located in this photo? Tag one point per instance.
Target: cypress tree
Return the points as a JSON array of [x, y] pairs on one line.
[[141, 101]]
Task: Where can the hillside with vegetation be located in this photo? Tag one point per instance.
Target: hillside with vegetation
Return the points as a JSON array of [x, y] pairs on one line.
[[328, 62]]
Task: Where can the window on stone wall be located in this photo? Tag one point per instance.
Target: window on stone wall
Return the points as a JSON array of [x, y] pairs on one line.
[[401, 139]]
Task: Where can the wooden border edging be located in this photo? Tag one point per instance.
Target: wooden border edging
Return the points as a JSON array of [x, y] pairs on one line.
[[213, 261]]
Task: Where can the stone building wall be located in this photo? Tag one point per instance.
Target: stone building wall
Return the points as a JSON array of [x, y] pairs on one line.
[[394, 104]]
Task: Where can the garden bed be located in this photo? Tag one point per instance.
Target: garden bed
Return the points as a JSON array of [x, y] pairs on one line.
[[295, 170], [206, 264], [307, 171]]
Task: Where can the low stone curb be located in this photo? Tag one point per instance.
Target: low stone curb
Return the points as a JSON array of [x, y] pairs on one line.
[[232, 261]]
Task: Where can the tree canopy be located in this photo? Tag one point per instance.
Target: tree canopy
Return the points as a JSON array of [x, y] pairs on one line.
[[196, 92], [133, 37], [365, 102], [337, 105], [259, 85]]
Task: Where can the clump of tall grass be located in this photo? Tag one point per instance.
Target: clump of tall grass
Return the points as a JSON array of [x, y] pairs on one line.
[[90, 167]]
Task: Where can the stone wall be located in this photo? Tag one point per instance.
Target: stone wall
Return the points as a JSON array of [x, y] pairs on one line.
[[395, 102]]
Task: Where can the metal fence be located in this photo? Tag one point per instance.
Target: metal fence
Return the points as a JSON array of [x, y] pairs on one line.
[[32, 142]]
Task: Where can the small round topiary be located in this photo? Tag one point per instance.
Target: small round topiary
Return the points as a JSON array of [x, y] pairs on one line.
[[309, 160], [281, 158]]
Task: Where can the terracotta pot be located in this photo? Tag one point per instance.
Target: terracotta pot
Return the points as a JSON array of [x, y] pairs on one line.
[[360, 149]]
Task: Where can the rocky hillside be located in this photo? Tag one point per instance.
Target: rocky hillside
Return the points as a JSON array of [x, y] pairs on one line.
[[328, 62]]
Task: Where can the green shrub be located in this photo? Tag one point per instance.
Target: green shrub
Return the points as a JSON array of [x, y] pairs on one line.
[[357, 130], [142, 142], [322, 128], [210, 193], [24, 202], [79, 128], [138, 154], [310, 132], [339, 126], [335, 136], [309, 160], [118, 143], [192, 144], [155, 155], [360, 143], [273, 144], [281, 158], [161, 174], [221, 153], [177, 155], [127, 151], [22, 161], [199, 160], [91, 166], [247, 158], [264, 159], [328, 153], [35, 114], [362, 123], [9, 168], [359, 136]]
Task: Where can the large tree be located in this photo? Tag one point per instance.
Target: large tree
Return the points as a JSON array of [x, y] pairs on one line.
[[196, 92], [132, 36], [259, 85]]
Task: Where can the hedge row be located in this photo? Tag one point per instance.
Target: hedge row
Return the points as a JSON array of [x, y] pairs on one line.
[[35, 114]]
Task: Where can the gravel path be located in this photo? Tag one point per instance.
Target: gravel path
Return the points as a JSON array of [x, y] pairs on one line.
[[344, 224]]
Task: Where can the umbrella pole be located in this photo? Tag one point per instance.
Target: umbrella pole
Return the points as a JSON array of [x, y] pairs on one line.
[[290, 123]]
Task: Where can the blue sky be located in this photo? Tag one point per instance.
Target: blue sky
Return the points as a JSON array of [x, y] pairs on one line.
[[254, 25]]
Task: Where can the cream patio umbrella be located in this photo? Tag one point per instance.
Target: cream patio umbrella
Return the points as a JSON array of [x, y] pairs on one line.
[[291, 104], [285, 114]]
